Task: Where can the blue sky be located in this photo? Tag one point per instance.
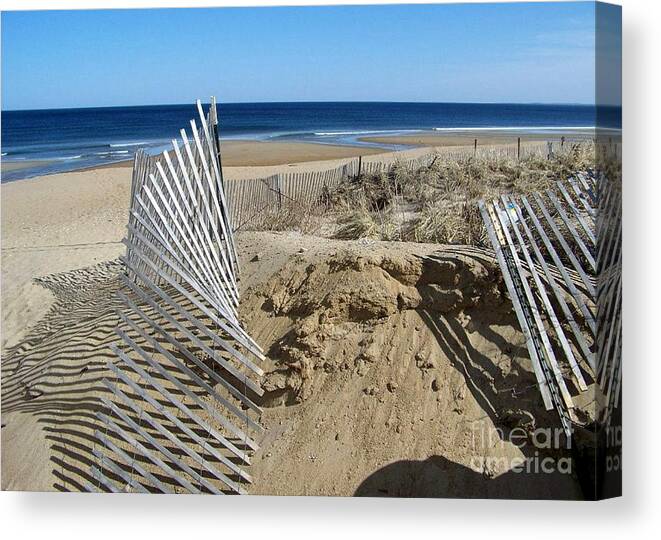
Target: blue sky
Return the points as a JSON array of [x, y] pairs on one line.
[[463, 53]]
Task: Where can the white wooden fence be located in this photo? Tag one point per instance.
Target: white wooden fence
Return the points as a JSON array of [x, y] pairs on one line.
[[560, 252], [180, 413]]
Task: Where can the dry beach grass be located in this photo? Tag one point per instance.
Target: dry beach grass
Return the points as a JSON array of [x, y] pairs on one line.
[[435, 203]]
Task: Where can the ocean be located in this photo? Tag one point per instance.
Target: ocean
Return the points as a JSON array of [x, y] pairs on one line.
[[70, 139]]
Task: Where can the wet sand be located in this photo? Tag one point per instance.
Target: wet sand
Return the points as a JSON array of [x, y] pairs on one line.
[[18, 165]]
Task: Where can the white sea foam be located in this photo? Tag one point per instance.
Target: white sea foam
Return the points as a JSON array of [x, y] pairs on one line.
[[113, 153], [520, 128], [135, 143], [363, 132]]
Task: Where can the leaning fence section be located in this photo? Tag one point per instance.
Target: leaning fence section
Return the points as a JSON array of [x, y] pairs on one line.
[[180, 412], [609, 292], [545, 244]]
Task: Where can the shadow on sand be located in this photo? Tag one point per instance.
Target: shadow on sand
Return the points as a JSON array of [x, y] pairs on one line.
[[438, 477]]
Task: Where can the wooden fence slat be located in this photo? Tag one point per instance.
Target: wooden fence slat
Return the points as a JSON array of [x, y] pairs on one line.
[[242, 415], [579, 216], [212, 354], [589, 287], [572, 230], [131, 462], [99, 477], [145, 416], [559, 295], [161, 449], [236, 332], [191, 395], [108, 463]]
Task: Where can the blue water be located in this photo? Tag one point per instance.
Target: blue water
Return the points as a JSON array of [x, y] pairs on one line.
[[78, 138]]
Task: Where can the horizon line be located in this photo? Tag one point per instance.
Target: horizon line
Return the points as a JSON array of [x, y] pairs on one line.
[[548, 103]]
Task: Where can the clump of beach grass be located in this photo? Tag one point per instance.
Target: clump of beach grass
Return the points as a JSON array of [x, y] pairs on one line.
[[438, 203], [440, 223]]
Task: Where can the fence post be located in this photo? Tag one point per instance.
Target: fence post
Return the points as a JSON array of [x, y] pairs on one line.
[[279, 184], [475, 149], [518, 148], [360, 166]]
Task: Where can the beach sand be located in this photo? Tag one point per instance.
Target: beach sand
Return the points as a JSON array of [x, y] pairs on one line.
[[250, 153], [467, 138], [363, 422], [26, 164]]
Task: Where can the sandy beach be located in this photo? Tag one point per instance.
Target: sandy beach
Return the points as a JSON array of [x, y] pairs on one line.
[[250, 153], [331, 251], [25, 164], [467, 137], [58, 224]]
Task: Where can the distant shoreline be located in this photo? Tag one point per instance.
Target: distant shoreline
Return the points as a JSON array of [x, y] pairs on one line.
[[260, 153], [238, 153], [235, 153], [249, 153]]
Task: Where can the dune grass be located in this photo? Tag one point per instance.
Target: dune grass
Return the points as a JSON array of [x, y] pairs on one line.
[[435, 203], [438, 203]]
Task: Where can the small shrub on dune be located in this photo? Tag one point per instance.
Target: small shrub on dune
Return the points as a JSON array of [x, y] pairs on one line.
[[456, 224], [292, 216], [362, 223]]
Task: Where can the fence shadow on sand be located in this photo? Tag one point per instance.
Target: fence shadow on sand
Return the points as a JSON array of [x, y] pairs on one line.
[[56, 375]]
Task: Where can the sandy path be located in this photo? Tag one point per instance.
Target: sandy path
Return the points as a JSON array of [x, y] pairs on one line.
[[53, 224]]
